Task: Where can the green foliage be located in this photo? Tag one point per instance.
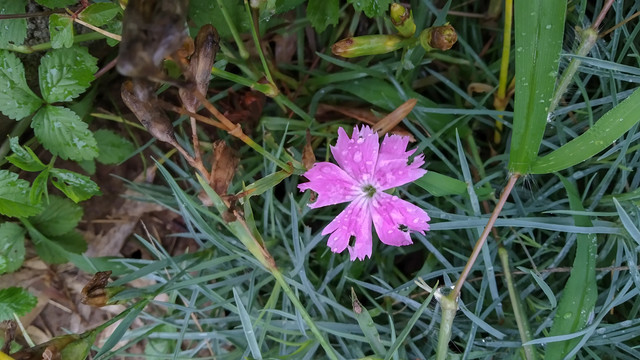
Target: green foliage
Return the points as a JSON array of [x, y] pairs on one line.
[[61, 30], [113, 148], [52, 4], [66, 73], [371, 8], [322, 13], [76, 186], [204, 12], [16, 98], [59, 217], [15, 300], [100, 14], [62, 132], [14, 196], [11, 247], [13, 31]]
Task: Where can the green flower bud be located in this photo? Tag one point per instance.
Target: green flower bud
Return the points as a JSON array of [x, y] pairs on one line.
[[402, 20], [438, 37], [369, 45]]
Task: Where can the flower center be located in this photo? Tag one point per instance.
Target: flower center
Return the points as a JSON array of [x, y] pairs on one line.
[[369, 190]]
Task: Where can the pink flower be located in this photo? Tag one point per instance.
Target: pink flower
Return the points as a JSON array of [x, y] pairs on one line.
[[365, 170]]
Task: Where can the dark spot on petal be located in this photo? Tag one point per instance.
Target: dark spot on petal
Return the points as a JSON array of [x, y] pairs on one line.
[[403, 228], [352, 241]]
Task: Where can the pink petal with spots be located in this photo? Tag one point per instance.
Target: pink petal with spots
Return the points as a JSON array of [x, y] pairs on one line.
[[392, 169], [392, 215], [332, 184], [354, 221], [357, 155]]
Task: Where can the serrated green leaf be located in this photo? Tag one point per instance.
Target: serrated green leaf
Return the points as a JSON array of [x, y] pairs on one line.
[[52, 4], [39, 187], [77, 187], [100, 13], [58, 217], [112, 148], [17, 101], [15, 300], [66, 73], [23, 157], [55, 249], [11, 247], [12, 31], [14, 196], [62, 132], [61, 30], [322, 13], [371, 8]]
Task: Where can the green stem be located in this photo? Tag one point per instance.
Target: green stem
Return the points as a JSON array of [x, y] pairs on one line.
[[234, 31], [449, 308], [25, 49], [530, 352], [256, 40]]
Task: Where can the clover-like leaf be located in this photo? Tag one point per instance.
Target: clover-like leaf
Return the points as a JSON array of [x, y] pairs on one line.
[[61, 30], [99, 14], [62, 132], [77, 187], [66, 73], [112, 147], [15, 300], [13, 30], [14, 196], [11, 247], [17, 101], [23, 157], [58, 217]]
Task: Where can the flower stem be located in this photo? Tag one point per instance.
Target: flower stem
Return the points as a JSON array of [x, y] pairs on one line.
[[483, 237]]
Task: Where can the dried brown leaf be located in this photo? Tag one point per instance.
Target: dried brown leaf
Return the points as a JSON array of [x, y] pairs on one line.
[[223, 167], [139, 97], [308, 157], [94, 293]]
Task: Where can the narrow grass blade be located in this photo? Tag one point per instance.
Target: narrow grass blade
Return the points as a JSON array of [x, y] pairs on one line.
[[580, 293], [367, 325], [405, 332], [628, 224], [611, 126], [245, 319], [539, 27]]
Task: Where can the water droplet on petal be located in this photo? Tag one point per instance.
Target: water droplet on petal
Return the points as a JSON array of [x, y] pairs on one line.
[[357, 157]]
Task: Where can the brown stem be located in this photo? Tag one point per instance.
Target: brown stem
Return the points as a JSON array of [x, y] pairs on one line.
[[483, 237]]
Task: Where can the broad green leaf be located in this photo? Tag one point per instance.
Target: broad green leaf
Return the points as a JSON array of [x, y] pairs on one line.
[[17, 101], [580, 293], [201, 12], [77, 187], [112, 148], [99, 14], [52, 4], [66, 73], [605, 131], [12, 31], [23, 157], [539, 27], [322, 13], [55, 249], [61, 30], [58, 217], [62, 132], [367, 325], [14, 196], [441, 185], [371, 8], [15, 300], [39, 187], [157, 347], [11, 247]]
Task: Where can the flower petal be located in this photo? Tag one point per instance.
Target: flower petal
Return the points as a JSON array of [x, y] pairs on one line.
[[353, 221], [394, 218], [357, 155], [332, 184], [392, 169]]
